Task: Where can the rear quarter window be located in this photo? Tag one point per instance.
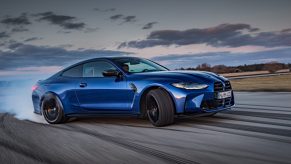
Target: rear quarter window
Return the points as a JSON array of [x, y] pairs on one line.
[[76, 71]]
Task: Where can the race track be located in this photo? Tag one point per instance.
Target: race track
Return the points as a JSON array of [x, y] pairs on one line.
[[257, 130]]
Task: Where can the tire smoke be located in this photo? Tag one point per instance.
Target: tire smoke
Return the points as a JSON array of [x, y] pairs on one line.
[[16, 100]]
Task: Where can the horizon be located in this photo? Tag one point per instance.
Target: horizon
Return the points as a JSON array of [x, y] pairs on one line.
[[44, 76]]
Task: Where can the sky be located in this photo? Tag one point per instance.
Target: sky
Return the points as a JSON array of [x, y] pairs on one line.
[[39, 37]]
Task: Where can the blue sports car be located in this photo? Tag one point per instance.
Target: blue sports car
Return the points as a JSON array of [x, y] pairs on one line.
[[129, 86]]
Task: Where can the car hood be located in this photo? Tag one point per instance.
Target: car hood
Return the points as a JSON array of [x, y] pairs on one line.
[[197, 76]]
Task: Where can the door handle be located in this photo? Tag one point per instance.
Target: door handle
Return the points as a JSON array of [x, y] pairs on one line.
[[83, 85]]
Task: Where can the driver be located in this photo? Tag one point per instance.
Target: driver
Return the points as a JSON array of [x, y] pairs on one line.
[[125, 67]]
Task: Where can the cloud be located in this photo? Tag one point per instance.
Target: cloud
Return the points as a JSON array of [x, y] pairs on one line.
[[286, 30], [32, 39], [24, 55], [129, 19], [149, 25], [224, 35], [3, 35], [19, 29], [226, 58], [14, 45], [89, 30], [116, 17], [5, 43], [104, 10], [125, 19], [65, 45], [16, 21], [64, 21]]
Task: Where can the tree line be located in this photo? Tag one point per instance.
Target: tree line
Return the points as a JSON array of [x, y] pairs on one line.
[[272, 67]]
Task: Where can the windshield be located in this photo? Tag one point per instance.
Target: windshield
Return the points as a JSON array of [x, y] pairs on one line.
[[137, 65]]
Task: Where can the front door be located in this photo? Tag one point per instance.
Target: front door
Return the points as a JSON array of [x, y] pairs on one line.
[[99, 93]]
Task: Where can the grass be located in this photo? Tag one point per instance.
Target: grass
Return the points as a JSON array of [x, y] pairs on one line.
[[279, 83], [253, 73]]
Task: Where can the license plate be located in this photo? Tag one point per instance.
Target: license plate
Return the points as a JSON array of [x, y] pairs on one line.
[[223, 95]]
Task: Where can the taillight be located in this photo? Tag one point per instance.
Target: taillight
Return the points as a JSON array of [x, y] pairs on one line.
[[34, 87]]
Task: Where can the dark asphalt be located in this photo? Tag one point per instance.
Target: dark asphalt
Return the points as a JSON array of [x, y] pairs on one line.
[[257, 130]]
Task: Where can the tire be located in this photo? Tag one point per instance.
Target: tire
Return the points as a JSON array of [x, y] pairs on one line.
[[160, 107], [52, 109]]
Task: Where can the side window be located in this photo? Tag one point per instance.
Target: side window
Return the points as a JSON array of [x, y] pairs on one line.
[[96, 69], [74, 72], [139, 67]]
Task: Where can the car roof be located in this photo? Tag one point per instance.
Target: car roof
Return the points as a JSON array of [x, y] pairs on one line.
[[105, 58], [99, 58]]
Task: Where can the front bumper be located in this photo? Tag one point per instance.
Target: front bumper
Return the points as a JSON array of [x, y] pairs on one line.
[[203, 101], [207, 103]]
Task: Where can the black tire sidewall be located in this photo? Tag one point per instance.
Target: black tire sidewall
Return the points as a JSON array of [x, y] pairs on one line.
[[165, 107], [60, 118]]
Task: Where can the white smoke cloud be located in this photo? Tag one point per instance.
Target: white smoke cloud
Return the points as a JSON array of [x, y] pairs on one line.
[[16, 100]]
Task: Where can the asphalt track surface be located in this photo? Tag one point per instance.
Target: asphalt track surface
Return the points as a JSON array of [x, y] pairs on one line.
[[257, 130]]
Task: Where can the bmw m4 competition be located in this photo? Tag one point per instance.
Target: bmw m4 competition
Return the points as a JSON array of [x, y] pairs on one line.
[[129, 86]]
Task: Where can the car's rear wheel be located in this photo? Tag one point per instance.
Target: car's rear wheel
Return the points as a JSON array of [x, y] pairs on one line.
[[160, 107], [52, 109]]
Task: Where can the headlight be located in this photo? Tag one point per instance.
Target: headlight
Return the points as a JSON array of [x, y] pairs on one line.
[[190, 85]]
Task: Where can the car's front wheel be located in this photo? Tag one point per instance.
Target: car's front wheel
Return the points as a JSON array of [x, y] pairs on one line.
[[52, 109], [160, 107]]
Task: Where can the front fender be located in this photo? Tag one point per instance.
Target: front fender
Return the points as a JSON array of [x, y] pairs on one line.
[[177, 95]]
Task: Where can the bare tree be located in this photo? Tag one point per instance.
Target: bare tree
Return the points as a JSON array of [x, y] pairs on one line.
[[272, 67]]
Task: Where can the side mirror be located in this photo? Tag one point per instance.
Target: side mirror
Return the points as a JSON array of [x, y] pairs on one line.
[[110, 73]]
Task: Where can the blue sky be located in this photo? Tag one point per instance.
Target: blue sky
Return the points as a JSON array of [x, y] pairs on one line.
[[41, 37]]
